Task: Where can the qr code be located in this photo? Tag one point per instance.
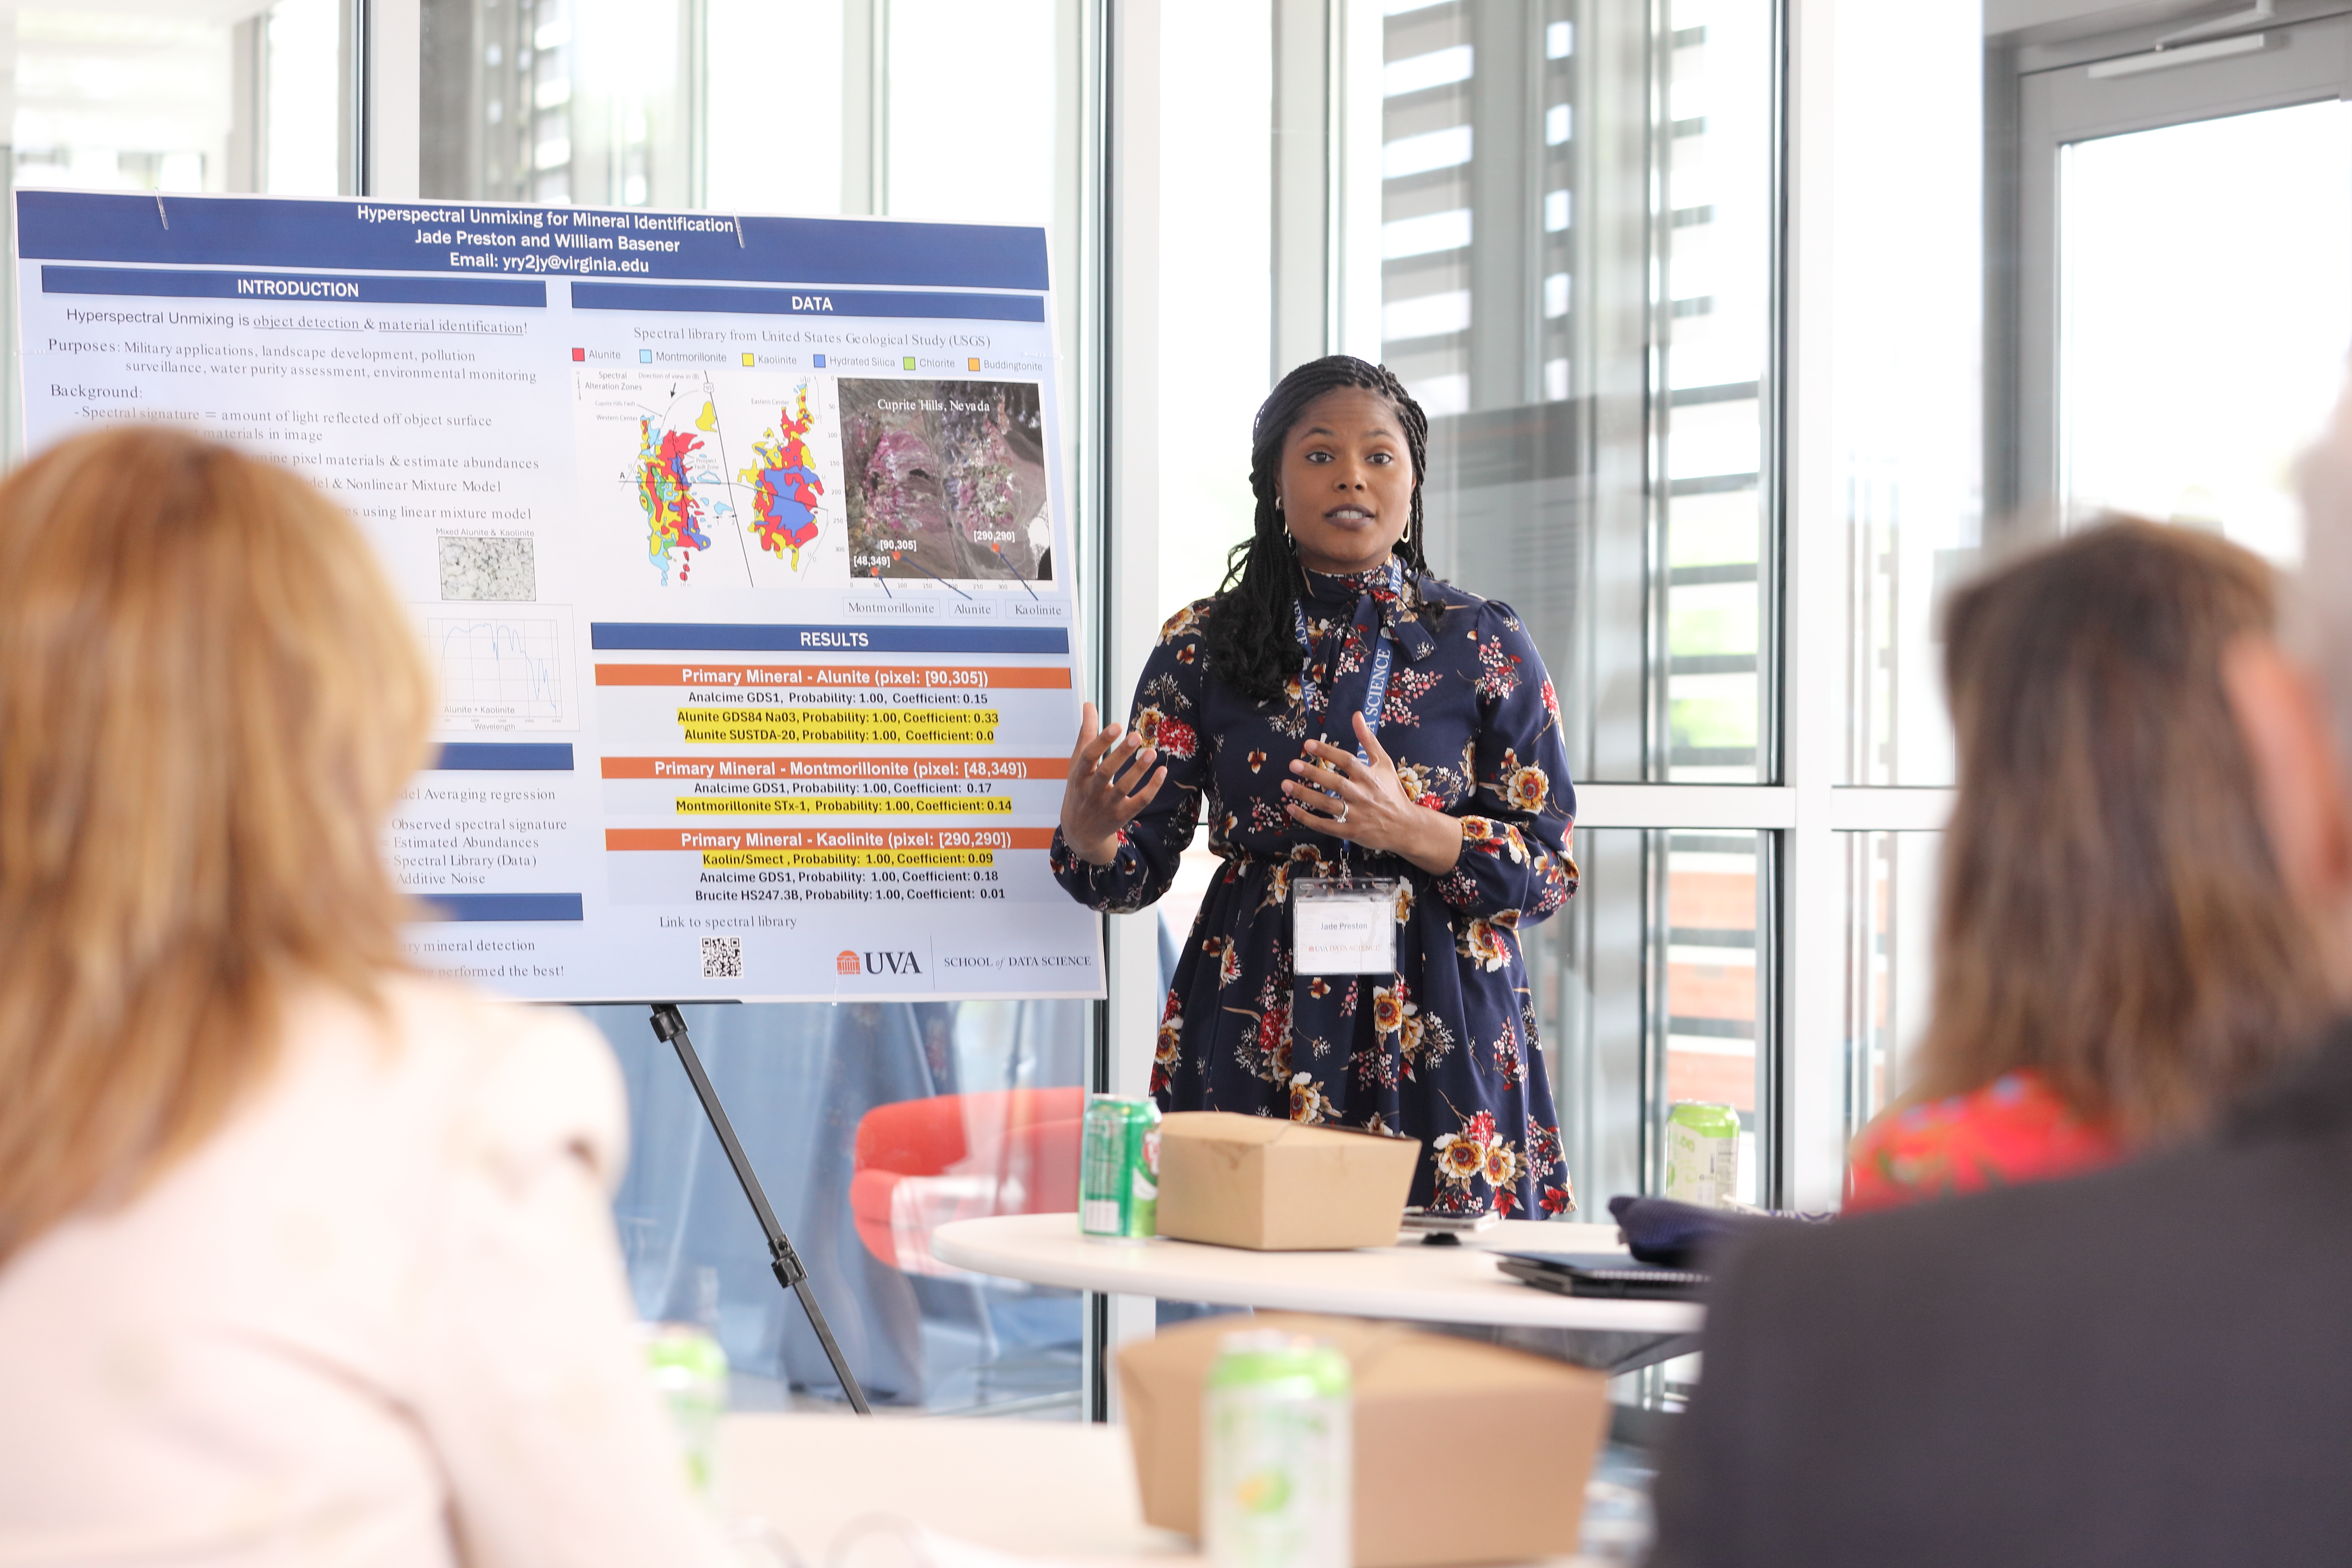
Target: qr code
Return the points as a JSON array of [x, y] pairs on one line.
[[484, 567], [723, 958]]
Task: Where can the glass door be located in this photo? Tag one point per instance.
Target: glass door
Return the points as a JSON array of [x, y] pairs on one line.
[[2205, 300], [2186, 295]]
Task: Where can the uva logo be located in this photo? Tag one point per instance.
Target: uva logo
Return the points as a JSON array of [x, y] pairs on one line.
[[846, 961]]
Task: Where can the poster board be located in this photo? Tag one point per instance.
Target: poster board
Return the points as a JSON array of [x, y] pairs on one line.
[[738, 545]]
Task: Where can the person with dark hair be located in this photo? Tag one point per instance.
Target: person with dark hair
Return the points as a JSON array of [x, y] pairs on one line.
[[2116, 953], [1347, 723]]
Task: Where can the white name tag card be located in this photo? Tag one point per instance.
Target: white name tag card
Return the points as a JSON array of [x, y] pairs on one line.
[[1343, 925]]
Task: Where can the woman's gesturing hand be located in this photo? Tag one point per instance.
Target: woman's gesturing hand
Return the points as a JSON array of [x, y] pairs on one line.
[[1095, 804], [1365, 803]]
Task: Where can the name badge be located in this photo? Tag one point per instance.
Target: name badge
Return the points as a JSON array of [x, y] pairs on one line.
[[1343, 925]]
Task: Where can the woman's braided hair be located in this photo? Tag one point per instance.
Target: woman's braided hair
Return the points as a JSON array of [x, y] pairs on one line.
[[1252, 645]]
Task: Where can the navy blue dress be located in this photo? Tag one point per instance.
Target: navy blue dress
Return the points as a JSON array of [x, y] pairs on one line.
[[1445, 1050]]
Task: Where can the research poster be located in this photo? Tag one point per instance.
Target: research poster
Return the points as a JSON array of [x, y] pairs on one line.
[[737, 546]]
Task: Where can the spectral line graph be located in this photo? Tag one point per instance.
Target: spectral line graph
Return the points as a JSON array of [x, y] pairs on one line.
[[502, 668]]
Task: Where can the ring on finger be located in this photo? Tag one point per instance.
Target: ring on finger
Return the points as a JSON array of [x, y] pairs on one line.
[[1343, 814]]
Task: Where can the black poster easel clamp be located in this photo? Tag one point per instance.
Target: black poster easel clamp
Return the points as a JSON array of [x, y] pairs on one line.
[[669, 1026]]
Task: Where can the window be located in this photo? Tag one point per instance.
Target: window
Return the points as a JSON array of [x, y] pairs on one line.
[[1576, 279], [805, 106], [1575, 230], [154, 99], [869, 1124], [1904, 414], [159, 98], [1651, 988], [1217, 241], [1890, 952], [149, 95], [2217, 185], [1588, 232], [2202, 315]]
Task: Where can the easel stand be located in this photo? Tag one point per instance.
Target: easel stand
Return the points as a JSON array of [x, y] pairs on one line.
[[669, 1025]]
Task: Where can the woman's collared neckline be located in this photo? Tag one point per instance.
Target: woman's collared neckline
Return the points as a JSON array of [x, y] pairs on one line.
[[1330, 586]]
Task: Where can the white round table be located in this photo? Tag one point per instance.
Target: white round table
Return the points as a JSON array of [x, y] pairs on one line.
[[1002, 1492], [1450, 1285]]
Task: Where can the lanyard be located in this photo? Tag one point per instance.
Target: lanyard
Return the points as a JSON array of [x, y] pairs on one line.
[[1375, 693]]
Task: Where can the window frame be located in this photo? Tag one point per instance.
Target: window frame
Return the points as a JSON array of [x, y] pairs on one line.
[[1111, 298]]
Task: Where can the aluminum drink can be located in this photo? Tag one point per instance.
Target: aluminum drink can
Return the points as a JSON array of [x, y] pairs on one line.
[[690, 1371], [1278, 1454], [1118, 1169], [1702, 1153]]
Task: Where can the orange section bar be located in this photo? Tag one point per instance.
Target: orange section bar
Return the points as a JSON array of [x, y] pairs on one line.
[[693, 768], [675, 839], [806, 674]]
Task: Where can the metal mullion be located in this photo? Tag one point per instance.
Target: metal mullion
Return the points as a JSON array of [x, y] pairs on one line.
[[1657, 923], [693, 111], [877, 108], [1658, 137], [1774, 913], [1736, 806], [1810, 1091], [357, 111], [1881, 869], [1090, 411], [1772, 918], [1889, 808], [1772, 457], [1859, 981], [1334, 234]]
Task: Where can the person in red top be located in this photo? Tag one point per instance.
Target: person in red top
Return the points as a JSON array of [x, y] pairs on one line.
[[2117, 954], [2015, 1128]]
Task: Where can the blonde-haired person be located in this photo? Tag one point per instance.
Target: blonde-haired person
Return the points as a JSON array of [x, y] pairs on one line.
[[304, 1258], [2116, 952]]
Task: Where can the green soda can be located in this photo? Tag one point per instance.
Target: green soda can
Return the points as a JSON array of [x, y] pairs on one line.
[[1702, 1153], [1118, 1169], [1277, 1476], [690, 1371]]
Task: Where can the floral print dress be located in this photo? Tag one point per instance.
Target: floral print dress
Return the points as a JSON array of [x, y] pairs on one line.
[[1444, 1048]]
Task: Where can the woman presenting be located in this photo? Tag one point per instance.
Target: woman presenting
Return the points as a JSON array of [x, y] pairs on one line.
[[1352, 728]]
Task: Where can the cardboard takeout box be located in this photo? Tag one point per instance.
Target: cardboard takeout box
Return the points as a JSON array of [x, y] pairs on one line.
[[1463, 1452], [1280, 1186]]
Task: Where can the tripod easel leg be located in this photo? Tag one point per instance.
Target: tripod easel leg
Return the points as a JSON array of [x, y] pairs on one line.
[[669, 1025]]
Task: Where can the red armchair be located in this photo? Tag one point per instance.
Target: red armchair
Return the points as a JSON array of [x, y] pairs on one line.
[[921, 1163]]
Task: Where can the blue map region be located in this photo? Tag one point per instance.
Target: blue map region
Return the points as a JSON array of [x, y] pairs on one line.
[[795, 516]]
